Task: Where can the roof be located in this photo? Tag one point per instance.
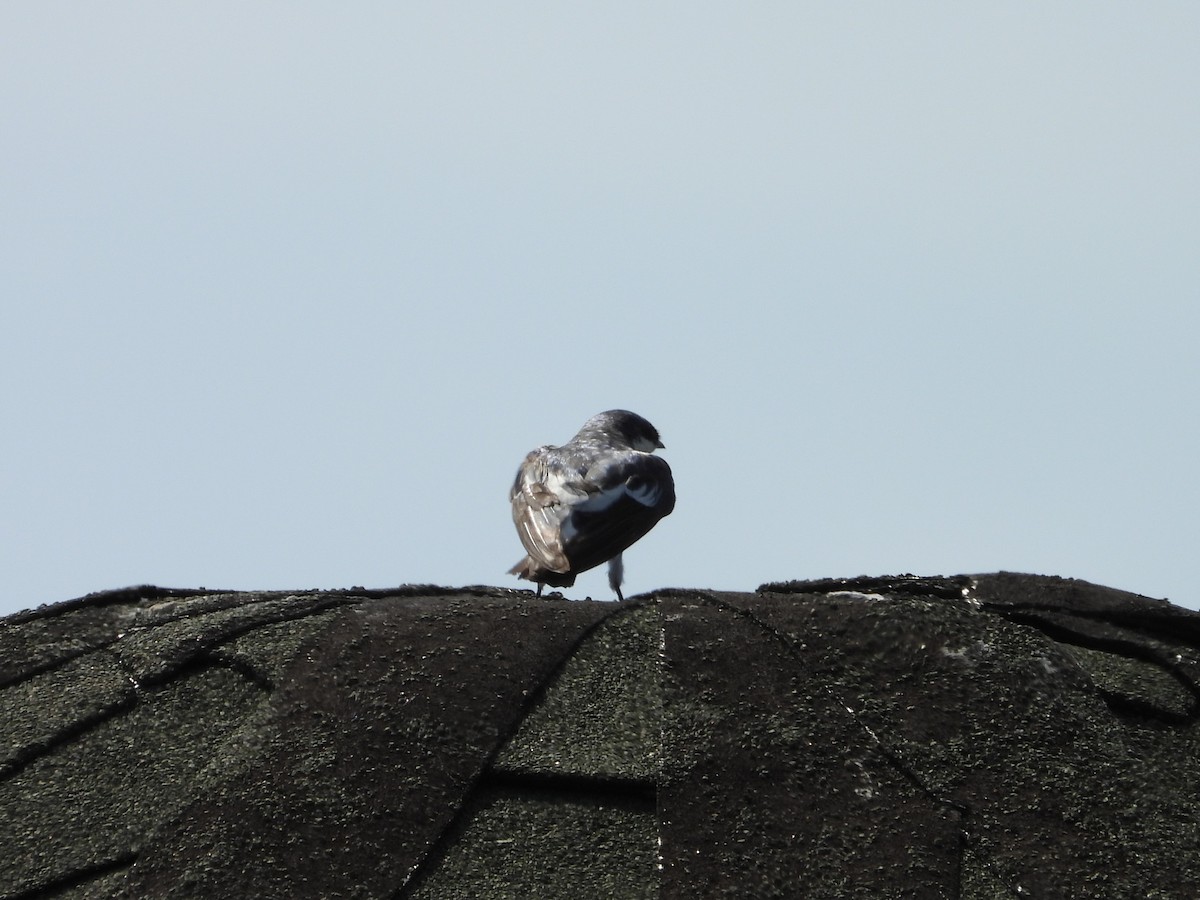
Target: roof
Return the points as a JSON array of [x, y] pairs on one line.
[[974, 736]]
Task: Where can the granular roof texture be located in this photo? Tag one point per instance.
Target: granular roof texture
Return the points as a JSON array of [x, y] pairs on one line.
[[970, 737]]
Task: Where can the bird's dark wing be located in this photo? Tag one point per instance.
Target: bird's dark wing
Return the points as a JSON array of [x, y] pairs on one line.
[[627, 493]]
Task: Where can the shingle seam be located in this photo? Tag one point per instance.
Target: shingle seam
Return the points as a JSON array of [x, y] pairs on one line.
[[79, 878], [1133, 710], [325, 599], [1155, 625], [50, 665], [32, 752], [222, 636], [219, 657], [589, 786], [195, 663], [141, 593], [438, 847], [227, 634], [536, 695], [1128, 649], [115, 597], [893, 756]]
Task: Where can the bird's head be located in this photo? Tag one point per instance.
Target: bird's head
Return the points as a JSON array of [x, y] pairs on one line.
[[620, 427]]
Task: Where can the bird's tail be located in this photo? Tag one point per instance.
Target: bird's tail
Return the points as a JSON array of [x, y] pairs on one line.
[[531, 571], [523, 569]]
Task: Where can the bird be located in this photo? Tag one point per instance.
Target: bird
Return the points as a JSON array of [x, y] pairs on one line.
[[584, 503]]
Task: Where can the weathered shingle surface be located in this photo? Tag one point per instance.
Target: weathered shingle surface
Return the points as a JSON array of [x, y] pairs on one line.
[[973, 737]]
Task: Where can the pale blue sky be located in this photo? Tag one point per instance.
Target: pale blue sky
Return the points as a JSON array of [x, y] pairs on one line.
[[290, 288]]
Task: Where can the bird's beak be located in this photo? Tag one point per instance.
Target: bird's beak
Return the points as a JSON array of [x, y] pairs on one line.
[[660, 445]]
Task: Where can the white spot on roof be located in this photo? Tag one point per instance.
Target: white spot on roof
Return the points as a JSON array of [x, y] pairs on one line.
[[856, 595]]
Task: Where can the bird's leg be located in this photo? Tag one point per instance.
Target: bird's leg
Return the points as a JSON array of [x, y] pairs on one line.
[[539, 590], [616, 572]]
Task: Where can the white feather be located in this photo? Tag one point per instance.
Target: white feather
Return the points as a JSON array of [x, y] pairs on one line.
[[647, 493]]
